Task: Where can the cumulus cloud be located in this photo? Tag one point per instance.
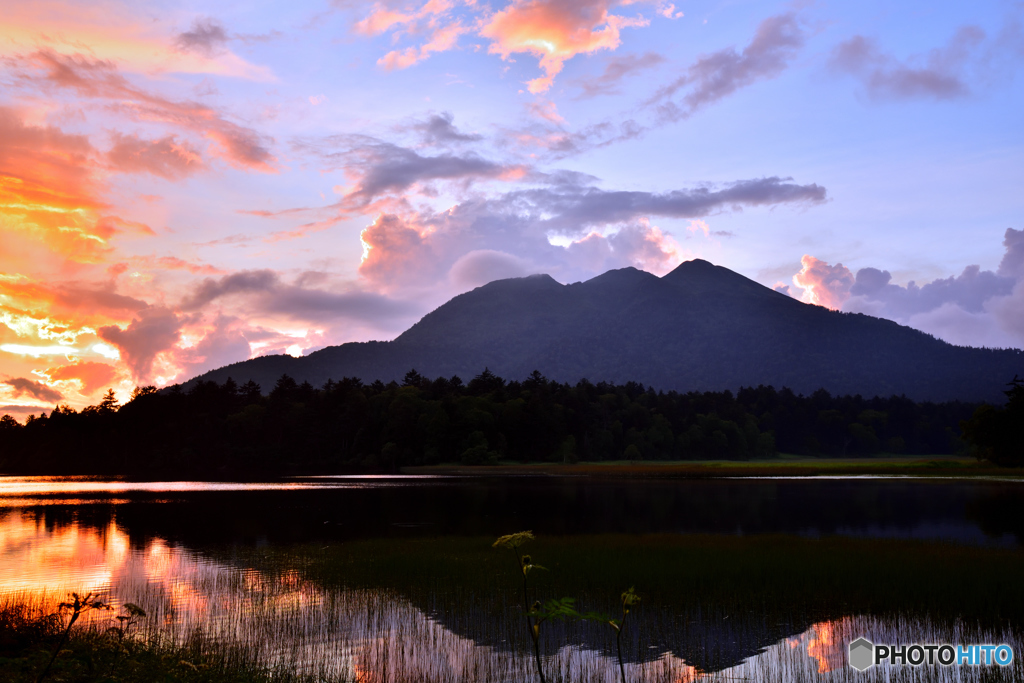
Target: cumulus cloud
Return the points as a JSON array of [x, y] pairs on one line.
[[21, 386], [167, 157], [615, 71], [712, 77], [977, 307], [824, 285], [555, 31], [207, 36], [153, 331]]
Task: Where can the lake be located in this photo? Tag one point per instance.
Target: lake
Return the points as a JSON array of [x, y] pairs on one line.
[[394, 578]]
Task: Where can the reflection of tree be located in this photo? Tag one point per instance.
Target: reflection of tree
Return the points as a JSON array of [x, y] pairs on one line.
[[226, 428]]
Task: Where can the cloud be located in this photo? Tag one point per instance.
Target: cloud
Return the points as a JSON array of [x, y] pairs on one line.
[[240, 146], [439, 130], [93, 376], [713, 77], [21, 386], [615, 71], [166, 157], [220, 346], [376, 167], [486, 265], [207, 37], [48, 189], [824, 285], [267, 294], [442, 39], [942, 74], [555, 31], [566, 226], [977, 307], [153, 331]]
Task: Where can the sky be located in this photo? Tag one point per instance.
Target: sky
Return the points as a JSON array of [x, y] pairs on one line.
[[186, 185]]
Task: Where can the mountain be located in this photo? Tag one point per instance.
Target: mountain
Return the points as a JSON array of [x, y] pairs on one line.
[[700, 327]]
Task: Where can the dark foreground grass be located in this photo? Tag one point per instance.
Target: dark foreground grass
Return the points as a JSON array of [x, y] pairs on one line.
[[29, 635]]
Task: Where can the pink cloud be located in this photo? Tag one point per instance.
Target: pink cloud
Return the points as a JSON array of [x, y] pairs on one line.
[[824, 285], [167, 157], [240, 146], [153, 331], [555, 31]]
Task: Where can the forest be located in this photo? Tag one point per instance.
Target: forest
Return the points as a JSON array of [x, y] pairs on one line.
[[346, 425]]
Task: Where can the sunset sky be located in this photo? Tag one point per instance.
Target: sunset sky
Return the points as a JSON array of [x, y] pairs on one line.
[[186, 185]]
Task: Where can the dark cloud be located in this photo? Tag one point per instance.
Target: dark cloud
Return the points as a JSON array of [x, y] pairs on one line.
[[268, 294], [383, 167], [573, 208], [615, 70], [153, 331], [22, 386], [718, 75], [969, 291], [206, 37], [439, 130], [167, 157], [940, 75]]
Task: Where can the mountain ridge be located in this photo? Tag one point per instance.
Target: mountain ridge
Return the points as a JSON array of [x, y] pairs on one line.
[[699, 327]]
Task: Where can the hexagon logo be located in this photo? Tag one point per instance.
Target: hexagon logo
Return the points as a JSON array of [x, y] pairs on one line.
[[862, 654]]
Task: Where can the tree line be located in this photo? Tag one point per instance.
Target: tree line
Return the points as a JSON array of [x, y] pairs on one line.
[[348, 425]]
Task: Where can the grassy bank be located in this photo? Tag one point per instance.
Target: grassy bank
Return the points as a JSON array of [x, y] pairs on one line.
[[29, 636], [783, 466]]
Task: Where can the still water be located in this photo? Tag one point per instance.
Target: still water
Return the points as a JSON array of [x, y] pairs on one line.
[[392, 579]]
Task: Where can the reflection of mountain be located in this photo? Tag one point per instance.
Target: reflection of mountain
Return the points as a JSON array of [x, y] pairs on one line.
[[701, 327]]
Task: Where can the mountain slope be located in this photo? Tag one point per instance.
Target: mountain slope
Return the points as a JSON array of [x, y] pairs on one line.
[[700, 327]]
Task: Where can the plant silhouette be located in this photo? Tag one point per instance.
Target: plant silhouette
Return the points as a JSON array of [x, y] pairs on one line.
[[79, 605]]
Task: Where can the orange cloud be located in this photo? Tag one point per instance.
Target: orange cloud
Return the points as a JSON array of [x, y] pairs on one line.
[[824, 285], [113, 33], [555, 31], [91, 375], [47, 188]]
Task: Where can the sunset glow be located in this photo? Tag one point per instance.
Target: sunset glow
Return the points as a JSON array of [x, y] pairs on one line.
[[185, 187]]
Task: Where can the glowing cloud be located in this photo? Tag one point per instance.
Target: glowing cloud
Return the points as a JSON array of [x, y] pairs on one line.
[[555, 31], [824, 285]]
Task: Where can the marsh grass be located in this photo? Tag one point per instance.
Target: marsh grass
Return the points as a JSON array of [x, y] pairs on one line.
[[447, 609]]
